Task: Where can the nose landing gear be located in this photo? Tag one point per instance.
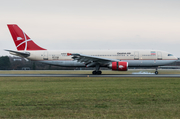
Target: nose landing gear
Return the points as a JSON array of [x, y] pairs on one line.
[[156, 72]]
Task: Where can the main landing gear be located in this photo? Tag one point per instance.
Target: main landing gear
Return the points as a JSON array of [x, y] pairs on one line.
[[97, 70], [156, 72]]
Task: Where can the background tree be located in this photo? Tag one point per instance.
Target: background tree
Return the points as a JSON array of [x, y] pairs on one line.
[[5, 63]]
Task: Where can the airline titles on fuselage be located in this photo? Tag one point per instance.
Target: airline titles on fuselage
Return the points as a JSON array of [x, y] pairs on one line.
[[55, 57]]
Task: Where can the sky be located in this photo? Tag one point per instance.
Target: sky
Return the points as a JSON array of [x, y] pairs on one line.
[[93, 24]]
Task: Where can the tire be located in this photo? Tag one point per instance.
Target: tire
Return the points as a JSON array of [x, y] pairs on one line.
[[99, 72], [94, 72], [156, 72]]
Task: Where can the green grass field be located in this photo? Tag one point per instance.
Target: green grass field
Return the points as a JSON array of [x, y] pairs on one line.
[[58, 97]]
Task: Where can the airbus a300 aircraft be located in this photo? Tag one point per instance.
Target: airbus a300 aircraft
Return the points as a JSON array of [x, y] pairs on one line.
[[117, 60]]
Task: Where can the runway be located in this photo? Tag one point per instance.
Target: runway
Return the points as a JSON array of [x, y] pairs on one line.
[[89, 75]]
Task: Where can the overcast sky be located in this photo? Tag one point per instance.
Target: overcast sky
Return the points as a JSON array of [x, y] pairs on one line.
[[94, 24]]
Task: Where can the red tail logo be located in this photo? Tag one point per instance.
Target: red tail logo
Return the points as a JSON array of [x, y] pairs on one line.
[[21, 40]]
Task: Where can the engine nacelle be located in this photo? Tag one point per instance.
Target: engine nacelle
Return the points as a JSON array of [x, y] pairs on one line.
[[119, 66]]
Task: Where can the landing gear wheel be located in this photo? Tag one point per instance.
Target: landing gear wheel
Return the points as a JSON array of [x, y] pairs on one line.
[[156, 72], [94, 72], [97, 72]]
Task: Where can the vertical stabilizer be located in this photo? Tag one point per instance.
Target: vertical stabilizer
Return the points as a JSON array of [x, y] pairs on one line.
[[21, 39]]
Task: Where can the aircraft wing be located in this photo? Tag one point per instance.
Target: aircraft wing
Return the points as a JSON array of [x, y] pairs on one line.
[[89, 60], [17, 53]]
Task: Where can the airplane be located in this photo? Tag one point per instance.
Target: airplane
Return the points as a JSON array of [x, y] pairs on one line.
[[117, 60]]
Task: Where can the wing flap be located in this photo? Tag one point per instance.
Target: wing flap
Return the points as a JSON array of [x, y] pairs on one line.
[[91, 60]]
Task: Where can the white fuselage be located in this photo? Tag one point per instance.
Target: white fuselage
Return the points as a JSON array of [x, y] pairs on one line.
[[135, 58]]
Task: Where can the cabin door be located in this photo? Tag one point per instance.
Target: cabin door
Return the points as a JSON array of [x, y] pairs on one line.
[[159, 56], [45, 55], [136, 55]]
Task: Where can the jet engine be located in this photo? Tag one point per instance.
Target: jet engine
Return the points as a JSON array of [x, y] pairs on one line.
[[119, 66]]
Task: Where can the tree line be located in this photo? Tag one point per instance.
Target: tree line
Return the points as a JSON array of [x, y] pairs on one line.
[[19, 63]]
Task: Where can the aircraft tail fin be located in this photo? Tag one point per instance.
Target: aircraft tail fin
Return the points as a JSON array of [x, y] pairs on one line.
[[21, 39]]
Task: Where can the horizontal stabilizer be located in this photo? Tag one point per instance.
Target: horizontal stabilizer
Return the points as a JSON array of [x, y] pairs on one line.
[[18, 53]]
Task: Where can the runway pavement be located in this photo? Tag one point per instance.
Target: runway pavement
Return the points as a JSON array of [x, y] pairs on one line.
[[88, 75]]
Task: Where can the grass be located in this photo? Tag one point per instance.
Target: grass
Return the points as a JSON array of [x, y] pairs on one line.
[[56, 97]]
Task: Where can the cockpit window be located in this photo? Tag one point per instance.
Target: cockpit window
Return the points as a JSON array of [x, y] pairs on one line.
[[170, 54]]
